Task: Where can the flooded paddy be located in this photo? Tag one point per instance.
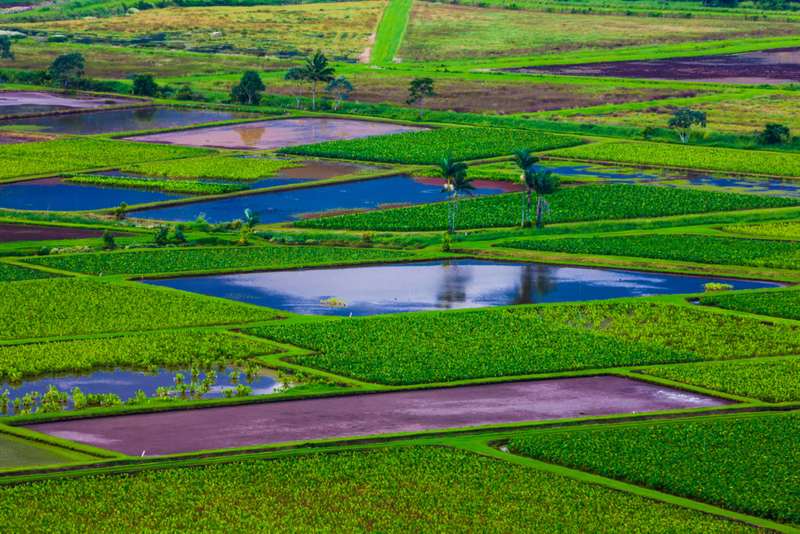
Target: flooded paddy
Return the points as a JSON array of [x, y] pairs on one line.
[[441, 285], [16, 102], [268, 135], [126, 382], [371, 414], [122, 120], [54, 195], [753, 68], [10, 233], [291, 205]]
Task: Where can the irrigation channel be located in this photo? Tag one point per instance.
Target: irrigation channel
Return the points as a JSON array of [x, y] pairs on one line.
[[184, 431], [123, 120], [765, 67], [424, 286], [268, 135]]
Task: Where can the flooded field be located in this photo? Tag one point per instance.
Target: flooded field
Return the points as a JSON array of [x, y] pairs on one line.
[[268, 135], [122, 120], [754, 68], [291, 205], [16, 102], [18, 232], [447, 285], [125, 384], [54, 195], [382, 413]]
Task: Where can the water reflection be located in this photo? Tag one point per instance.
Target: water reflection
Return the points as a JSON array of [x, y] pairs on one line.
[[436, 285]]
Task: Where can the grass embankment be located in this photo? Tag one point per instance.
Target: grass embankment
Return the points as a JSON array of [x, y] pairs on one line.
[[692, 248], [413, 489], [211, 259], [746, 465], [176, 186], [574, 204]]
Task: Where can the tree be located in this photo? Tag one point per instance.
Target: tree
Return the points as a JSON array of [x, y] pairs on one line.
[[145, 85], [247, 92], [462, 184], [525, 161], [66, 67], [5, 48], [339, 89], [108, 240], [295, 76], [451, 170], [684, 119], [543, 182], [316, 70], [773, 134], [420, 89]]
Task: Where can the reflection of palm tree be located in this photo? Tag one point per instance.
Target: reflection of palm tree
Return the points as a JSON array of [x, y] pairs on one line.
[[536, 281], [454, 285], [145, 115]]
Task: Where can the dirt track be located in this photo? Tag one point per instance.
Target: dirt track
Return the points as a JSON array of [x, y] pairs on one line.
[[382, 413]]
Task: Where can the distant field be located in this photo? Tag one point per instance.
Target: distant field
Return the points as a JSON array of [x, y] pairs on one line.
[[339, 30], [436, 32]]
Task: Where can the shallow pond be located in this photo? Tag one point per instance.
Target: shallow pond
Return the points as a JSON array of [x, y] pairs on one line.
[[290, 205], [268, 135], [13, 102], [125, 383], [54, 195], [123, 120], [775, 66], [445, 285]]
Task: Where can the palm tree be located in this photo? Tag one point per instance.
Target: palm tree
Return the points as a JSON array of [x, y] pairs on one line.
[[462, 184], [543, 182], [316, 70], [451, 170], [524, 160]]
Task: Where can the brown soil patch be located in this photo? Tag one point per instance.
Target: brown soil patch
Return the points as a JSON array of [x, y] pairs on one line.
[[10, 233]]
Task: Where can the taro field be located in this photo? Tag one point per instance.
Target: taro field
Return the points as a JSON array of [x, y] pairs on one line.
[[443, 275]]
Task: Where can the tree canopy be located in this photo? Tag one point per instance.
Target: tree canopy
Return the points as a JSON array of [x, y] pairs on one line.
[[66, 67]]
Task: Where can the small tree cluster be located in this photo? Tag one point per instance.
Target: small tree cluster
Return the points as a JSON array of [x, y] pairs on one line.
[[773, 134], [316, 70], [249, 89]]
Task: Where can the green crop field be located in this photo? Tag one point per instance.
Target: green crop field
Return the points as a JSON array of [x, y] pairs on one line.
[[73, 154], [23, 362], [590, 203], [771, 380], [69, 307], [783, 304], [428, 147], [690, 157], [215, 167], [384, 489], [786, 230], [178, 186], [193, 259], [693, 248], [719, 462], [12, 273]]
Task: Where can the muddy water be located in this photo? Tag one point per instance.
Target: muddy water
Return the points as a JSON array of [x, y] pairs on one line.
[[10, 99], [291, 205], [123, 120], [267, 135], [372, 414], [428, 286], [754, 68], [54, 195]]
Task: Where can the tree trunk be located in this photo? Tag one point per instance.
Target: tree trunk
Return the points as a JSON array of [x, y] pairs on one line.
[[523, 206], [314, 97], [420, 108]]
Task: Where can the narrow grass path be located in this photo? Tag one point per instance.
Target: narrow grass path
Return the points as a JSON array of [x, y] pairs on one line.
[[391, 31]]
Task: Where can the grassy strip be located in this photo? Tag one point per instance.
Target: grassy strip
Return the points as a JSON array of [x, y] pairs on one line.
[[22, 362], [178, 186], [381, 490], [744, 465], [23, 159], [688, 157], [429, 146], [391, 30], [569, 204], [789, 230], [79, 306], [12, 273], [207, 259], [771, 380], [475, 174], [699, 249], [784, 304], [217, 167], [442, 347]]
